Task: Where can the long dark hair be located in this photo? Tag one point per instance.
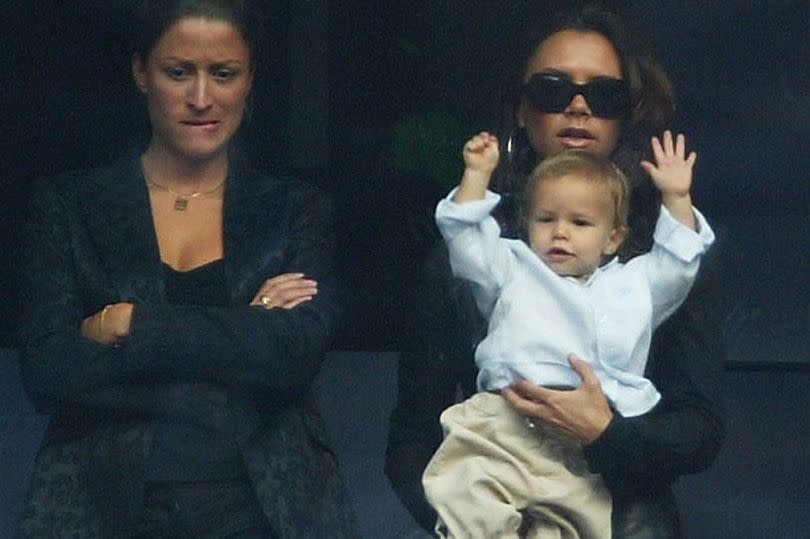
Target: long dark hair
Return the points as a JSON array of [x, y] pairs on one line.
[[652, 100], [152, 18]]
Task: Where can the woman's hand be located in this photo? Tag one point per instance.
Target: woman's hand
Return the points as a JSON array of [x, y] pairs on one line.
[[110, 325], [286, 291], [582, 414]]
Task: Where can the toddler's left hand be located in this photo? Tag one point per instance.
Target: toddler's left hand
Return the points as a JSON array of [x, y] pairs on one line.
[[672, 171]]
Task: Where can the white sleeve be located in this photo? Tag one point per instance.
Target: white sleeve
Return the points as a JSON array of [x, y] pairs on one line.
[[477, 252], [673, 262]]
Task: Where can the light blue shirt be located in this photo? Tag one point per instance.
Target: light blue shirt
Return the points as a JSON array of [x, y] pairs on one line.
[[536, 317]]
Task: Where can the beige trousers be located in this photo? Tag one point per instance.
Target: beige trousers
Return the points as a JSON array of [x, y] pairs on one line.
[[494, 476]]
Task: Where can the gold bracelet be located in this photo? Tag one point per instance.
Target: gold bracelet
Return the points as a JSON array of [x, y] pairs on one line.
[[101, 319]]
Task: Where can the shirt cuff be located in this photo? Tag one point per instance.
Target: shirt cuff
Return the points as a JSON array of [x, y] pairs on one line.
[[680, 240], [453, 217]]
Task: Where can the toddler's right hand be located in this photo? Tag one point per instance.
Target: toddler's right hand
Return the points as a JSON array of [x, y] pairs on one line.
[[481, 152]]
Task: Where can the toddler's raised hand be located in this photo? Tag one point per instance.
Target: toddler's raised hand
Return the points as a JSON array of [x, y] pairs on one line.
[[672, 174], [480, 159], [481, 152], [672, 171]]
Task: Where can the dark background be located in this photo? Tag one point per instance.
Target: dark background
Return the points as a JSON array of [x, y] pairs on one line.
[[372, 101]]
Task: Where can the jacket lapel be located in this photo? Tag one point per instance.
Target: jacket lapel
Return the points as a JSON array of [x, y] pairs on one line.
[[254, 224], [118, 218]]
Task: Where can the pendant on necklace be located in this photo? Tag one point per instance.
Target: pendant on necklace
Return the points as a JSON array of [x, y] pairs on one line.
[[180, 203]]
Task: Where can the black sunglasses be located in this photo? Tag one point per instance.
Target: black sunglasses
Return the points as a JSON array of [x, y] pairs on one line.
[[549, 92]]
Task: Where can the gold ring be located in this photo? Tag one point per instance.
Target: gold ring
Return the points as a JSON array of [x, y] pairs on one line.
[[265, 300]]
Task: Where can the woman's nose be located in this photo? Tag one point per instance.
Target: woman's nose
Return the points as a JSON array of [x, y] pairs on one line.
[[578, 106], [199, 93]]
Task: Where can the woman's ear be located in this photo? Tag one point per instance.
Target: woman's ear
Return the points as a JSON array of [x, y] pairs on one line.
[[139, 73]]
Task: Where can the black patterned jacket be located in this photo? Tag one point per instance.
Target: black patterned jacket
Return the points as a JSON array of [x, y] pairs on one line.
[[90, 241]]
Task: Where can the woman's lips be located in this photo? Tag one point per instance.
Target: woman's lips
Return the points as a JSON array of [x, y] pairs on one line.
[[207, 126], [573, 137]]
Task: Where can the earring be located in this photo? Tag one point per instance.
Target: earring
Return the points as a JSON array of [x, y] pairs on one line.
[[510, 143], [515, 146]]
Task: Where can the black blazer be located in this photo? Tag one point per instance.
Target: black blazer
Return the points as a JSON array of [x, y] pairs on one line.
[[90, 241]]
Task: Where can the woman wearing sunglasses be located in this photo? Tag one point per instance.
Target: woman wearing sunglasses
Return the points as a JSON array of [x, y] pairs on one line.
[[587, 82]]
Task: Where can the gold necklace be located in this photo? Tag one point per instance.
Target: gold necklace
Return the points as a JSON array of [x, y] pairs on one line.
[[181, 199]]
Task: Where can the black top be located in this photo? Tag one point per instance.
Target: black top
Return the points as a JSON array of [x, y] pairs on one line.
[[191, 450], [258, 364], [203, 285]]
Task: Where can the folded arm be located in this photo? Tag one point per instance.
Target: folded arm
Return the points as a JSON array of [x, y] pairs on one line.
[[269, 350]]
